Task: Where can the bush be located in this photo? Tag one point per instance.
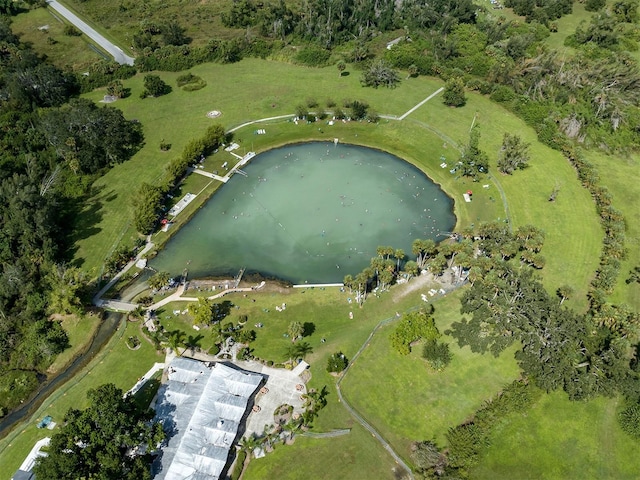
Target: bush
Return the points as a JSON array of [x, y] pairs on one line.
[[71, 31], [453, 95], [190, 82], [164, 146], [313, 56], [503, 94], [379, 74], [337, 362], [437, 354], [238, 465], [182, 80], [133, 342], [154, 86]]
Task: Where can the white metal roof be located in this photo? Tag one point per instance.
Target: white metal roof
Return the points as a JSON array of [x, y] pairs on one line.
[[201, 407]]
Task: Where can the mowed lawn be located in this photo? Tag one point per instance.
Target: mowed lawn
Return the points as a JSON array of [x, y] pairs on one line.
[[406, 401], [560, 439], [356, 456]]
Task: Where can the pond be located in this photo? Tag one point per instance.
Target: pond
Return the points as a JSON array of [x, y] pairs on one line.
[[309, 213]]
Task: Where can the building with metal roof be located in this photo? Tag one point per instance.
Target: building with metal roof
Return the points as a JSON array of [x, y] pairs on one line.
[[202, 407]]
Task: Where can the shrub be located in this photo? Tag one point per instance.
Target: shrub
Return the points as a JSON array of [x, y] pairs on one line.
[[453, 95], [133, 342], [503, 94], [71, 31], [238, 465], [337, 362], [190, 82], [182, 80], [437, 354], [313, 56], [154, 86], [164, 146], [379, 74]]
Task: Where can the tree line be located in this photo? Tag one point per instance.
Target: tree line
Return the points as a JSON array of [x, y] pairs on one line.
[[53, 146]]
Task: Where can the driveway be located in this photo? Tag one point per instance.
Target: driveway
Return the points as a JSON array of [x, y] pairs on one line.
[[116, 52]]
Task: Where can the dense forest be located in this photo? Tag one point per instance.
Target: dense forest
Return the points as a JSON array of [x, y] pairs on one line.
[[51, 149]]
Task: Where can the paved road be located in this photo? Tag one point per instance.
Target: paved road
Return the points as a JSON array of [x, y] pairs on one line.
[[116, 52]]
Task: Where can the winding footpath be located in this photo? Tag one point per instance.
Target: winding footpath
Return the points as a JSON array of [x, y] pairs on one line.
[[352, 411], [116, 52]]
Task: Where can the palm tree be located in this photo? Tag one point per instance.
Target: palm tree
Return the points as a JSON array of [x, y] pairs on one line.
[[249, 444], [159, 280], [564, 292], [290, 428], [303, 349], [399, 255], [175, 340], [137, 313]]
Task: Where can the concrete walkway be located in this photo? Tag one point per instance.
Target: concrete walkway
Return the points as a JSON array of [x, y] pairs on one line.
[[97, 298], [209, 174], [177, 295], [147, 376], [116, 52], [409, 112]]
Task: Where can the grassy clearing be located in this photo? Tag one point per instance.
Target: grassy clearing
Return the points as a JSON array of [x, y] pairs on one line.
[[619, 174], [123, 20], [80, 331], [570, 223], [414, 402], [355, 456], [114, 364], [567, 26], [62, 50], [558, 438]]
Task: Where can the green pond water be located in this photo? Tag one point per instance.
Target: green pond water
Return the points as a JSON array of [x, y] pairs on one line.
[[311, 212]]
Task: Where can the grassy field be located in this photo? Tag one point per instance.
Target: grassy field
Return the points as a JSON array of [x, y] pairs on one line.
[[62, 50], [80, 331], [619, 174], [199, 19], [558, 439], [414, 402], [356, 455], [114, 364]]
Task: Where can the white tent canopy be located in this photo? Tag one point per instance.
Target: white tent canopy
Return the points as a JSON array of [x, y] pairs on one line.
[[201, 407]]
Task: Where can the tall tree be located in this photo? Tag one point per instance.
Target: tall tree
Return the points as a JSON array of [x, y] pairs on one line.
[[473, 160], [453, 95], [101, 441], [514, 154]]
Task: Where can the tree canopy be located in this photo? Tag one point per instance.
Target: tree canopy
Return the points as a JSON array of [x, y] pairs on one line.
[[111, 438]]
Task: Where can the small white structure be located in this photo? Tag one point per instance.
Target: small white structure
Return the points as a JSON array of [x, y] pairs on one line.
[[201, 407]]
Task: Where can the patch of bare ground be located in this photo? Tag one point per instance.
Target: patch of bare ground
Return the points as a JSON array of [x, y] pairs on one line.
[[423, 283]]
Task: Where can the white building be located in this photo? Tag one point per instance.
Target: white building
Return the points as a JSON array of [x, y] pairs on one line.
[[201, 406]]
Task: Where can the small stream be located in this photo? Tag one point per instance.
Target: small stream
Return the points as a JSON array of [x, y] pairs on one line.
[[105, 331]]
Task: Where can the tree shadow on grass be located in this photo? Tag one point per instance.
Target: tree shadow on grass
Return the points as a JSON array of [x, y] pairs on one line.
[[83, 214], [308, 329]]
